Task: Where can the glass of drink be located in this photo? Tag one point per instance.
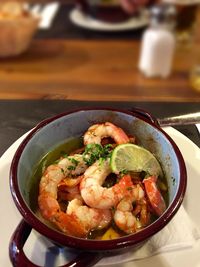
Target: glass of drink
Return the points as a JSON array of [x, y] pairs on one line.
[[186, 18]]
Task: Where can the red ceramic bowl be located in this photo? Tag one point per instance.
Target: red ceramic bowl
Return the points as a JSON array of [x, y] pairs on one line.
[[57, 130]]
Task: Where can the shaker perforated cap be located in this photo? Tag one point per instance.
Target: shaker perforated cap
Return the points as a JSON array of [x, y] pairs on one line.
[[163, 13]]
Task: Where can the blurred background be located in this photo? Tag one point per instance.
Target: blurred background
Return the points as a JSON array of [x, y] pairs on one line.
[[100, 49]]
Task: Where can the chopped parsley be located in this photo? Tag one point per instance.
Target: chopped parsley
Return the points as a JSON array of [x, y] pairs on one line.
[[62, 170], [173, 180], [94, 152], [74, 164], [63, 154]]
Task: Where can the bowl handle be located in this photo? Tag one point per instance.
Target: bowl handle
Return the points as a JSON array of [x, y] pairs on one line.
[[145, 115], [19, 259]]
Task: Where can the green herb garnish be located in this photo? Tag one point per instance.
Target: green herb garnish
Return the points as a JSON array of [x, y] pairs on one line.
[[94, 152], [74, 164]]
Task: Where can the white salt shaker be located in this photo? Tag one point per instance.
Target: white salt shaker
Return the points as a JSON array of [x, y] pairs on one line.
[[158, 43]]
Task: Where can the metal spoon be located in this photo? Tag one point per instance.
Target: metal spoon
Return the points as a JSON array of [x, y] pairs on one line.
[[185, 119]]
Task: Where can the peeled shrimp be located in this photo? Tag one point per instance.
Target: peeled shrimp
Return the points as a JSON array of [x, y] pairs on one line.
[[68, 193], [97, 196], [125, 215], [55, 173], [90, 218], [124, 218], [157, 202], [47, 199], [97, 132], [130, 219]]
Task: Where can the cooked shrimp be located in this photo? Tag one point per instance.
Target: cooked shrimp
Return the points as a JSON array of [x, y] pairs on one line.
[[70, 182], [68, 193], [156, 199], [142, 212], [47, 199], [51, 211], [73, 198], [125, 216], [90, 218], [97, 196], [97, 132], [57, 172]]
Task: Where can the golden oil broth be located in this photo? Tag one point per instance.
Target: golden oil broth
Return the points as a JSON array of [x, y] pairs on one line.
[[51, 157]]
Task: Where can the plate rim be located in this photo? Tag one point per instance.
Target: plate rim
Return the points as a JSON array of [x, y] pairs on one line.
[[97, 25]]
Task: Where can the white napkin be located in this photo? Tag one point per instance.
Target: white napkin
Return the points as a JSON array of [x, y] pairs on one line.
[[48, 14], [180, 233]]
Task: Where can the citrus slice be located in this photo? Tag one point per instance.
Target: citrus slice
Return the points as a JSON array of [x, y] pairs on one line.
[[130, 157]]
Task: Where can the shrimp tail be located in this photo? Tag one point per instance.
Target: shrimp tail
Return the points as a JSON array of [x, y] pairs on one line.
[[48, 206], [69, 224], [50, 210]]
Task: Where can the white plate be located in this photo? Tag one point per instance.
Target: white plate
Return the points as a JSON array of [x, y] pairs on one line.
[[87, 22], [42, 252]]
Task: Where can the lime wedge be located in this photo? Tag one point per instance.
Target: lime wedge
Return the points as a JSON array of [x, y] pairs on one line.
[[130, 157]]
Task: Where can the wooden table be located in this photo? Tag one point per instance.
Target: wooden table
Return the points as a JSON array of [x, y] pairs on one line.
[[92, 70]]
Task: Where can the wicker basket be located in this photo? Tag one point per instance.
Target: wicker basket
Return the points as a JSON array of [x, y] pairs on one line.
[[16, 33]]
